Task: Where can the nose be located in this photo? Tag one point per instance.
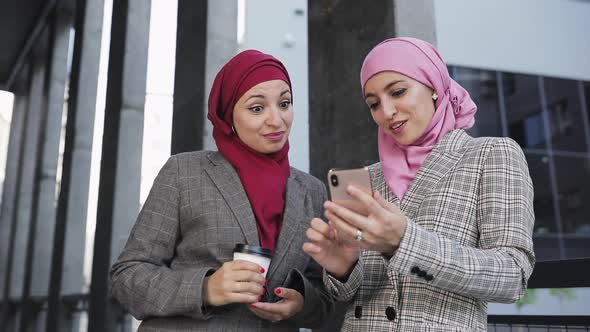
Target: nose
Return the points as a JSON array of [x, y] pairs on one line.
[[389, 109], [274, 118]]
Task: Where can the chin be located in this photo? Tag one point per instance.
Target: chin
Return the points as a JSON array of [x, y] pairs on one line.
[[273, 148]]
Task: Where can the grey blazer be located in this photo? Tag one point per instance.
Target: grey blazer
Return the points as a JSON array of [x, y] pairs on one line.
[[197, 210], [468, 241]]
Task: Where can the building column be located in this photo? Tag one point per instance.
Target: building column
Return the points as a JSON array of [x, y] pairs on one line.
[[44, 202], [25, 191], [50, 156], [189, 78], [341, 33], [25, 201], [67, 261], [120, 173], [10, 191], [222, 45], [342, 133]]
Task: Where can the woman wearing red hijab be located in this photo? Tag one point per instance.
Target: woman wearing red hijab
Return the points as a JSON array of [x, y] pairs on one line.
[[177, 271]]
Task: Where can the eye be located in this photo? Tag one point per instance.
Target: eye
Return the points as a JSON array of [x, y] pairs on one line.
[[256, 109], [373, 106], [285, 104], [398, 93]]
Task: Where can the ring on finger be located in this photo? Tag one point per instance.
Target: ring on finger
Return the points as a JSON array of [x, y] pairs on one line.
[[359, 235]]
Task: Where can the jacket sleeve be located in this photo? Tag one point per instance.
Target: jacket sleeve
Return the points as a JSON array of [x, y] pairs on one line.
[[141, 279], [318, 305], [498, 269]]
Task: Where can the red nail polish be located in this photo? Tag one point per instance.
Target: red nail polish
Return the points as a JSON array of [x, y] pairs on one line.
[[277, 291], [261, 270], [265, 282], [260, 298]]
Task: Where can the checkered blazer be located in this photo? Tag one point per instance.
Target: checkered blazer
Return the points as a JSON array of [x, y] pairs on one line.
[[468, 241], [196, 212]]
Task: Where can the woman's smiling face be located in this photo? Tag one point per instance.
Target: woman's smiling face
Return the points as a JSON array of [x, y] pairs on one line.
[[263, 116], [400, 105]]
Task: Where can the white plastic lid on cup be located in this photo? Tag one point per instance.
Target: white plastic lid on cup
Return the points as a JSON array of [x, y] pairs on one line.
[[254, 254]]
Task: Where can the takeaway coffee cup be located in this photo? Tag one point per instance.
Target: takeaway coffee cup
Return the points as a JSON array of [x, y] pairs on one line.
[[254, 254]]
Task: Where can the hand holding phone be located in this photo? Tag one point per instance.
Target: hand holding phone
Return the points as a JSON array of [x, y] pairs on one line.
[[340, 179]]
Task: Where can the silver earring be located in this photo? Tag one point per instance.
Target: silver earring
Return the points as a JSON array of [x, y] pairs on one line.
[[233, 129], [434, 96]]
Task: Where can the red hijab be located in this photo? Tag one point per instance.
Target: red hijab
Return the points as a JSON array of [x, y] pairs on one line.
[[264, 176]]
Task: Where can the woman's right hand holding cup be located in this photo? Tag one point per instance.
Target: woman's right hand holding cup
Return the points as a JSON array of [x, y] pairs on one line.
[[337, 257], [236, 281]]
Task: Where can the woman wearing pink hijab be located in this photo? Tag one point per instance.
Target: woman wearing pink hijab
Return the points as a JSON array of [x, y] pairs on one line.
[[448, 226]]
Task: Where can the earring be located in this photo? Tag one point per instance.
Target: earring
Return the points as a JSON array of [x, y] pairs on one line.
[[233, 129], [434, 96]]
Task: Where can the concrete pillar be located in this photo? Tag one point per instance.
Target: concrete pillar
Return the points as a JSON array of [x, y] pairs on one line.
[[29, 164], [67, 262], [79, 134], [10, 191], [189, 78], [128, 175], [118, 197], [7, 210], [342, 133], [50, 146], [222, 45]]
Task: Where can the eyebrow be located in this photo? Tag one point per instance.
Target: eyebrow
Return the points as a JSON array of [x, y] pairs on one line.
[[262, 96], [385, 88]]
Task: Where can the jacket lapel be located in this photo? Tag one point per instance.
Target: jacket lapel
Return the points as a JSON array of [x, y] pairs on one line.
[[441, 160], [294, 207], [228, 182]]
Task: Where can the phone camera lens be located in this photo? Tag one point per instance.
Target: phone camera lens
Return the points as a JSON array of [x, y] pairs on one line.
[[334, 180]]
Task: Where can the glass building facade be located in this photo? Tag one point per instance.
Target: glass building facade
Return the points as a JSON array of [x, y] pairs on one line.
[[548, 117]]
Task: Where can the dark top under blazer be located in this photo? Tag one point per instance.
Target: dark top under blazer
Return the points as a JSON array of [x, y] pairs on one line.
[[468, 241], [197, 210]]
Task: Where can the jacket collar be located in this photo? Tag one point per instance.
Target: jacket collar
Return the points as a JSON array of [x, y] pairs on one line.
[[443, 157], [229, 185]]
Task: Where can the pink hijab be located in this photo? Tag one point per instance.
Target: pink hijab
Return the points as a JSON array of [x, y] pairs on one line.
[[420, 61]]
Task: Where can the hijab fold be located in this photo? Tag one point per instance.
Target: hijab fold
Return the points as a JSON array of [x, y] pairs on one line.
[[263, 176], [455, 109]]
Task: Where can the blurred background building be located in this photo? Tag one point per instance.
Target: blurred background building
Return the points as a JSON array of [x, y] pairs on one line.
[[98, 93]]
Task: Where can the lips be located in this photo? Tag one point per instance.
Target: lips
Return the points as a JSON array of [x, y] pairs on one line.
[[397, 126], [276, 136]]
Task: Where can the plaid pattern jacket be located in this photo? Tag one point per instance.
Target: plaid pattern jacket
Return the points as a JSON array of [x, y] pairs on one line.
[[468, 241], [197, 210]]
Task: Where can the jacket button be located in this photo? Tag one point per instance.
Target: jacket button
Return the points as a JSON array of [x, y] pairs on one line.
[[429, 277], [415, 270], [390, 313], [422, 274], [358, 311]]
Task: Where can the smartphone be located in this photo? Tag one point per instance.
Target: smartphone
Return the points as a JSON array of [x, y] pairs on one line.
[[339, 179]]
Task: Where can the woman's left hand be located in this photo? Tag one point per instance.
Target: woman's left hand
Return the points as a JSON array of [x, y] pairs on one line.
[[291, 303], [381, 229]]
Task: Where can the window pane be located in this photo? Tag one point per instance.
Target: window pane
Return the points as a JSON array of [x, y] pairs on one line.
[[523, 110], [483, 88], [545, 232], [573, 183], [566, 121]]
